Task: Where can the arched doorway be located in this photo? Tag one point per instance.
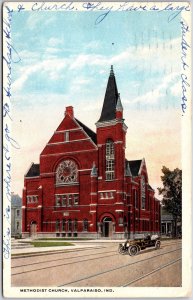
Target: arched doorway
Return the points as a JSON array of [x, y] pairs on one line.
[[33, 228], [107, 227]]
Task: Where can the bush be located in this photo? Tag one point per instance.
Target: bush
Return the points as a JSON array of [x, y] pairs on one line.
[[18, 236]]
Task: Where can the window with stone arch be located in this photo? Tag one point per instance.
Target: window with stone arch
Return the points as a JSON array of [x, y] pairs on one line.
[[143, 200], [63, 225], [69, 225], [67, 172], [58, 225], [75, 225], [110, 160], [85, 225]]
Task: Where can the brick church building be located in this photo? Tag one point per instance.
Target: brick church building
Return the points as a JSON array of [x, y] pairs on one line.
[[84, 186]]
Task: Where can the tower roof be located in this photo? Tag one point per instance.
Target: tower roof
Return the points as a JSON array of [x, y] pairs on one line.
[[110, 100]]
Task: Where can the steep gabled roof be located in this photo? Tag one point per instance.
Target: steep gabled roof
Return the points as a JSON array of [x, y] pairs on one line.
[[149, 186], [110, 100], [90, 133], [134, 166], [33, 171], [127, 168]]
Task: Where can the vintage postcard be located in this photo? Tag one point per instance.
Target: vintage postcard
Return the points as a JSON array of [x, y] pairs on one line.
[[96, 149]]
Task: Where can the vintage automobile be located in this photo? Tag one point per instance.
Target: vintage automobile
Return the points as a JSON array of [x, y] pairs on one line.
[[132, 247]]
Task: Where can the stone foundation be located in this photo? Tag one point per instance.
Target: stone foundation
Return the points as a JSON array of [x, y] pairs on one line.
[[91, 235]]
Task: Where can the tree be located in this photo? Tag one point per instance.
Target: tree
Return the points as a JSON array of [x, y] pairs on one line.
[[172, 193]]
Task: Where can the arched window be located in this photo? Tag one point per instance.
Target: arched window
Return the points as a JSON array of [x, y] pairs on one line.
[[110, 160], [143, 184], [85, 225], [67, 172], [69, 225], [64, 225], [47, 225], [135, 198], [75, 225], [57, 225]]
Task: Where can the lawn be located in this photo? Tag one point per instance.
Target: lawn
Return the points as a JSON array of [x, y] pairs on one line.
[[64, 239], [50, 244]]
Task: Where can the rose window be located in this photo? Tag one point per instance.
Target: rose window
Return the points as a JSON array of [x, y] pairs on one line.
[[67, 172]]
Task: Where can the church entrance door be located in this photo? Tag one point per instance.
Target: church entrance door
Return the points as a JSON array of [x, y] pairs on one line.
[[33, 229], [107, 227]]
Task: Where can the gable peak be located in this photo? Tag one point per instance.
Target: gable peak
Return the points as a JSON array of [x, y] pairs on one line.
[[69, 111]]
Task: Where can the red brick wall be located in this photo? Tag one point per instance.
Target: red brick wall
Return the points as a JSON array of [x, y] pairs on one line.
[[84, 153]]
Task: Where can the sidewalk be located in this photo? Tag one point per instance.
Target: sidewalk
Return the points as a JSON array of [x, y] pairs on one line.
[[96, 241], [77, 245]]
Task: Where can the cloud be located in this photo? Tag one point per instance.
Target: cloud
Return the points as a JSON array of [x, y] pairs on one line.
[[19, 83], [81, 81], [82, 60], [79, 86], [52, 50], [168, 82], [50, 67], [36, 20], [144, 58], [51, 63], [55, 42], [29, 57], [176, 89], [93, 45]]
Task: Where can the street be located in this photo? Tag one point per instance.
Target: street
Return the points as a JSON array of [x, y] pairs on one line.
[[100, 266]]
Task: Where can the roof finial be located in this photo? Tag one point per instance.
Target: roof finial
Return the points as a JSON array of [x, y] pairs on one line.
[[111, 72]]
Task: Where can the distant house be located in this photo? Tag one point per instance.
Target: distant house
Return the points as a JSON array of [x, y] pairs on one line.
[[16, 215], [167, 222]]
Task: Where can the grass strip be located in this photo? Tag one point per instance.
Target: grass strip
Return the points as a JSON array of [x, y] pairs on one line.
[[64, 239], [50, 244]]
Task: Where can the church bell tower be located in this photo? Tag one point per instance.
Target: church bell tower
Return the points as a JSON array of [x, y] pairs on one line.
[[111, 132]]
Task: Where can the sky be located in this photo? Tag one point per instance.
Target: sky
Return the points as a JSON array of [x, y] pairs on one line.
[[65, 59]]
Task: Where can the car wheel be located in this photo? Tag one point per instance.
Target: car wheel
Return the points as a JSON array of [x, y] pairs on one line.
[[133, 250], [121, 250], [157, 245]]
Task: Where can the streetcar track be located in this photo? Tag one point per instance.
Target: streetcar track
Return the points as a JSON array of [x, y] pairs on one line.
[[117, 268], [60, 252], [168, 244], [68, 263], [23, 255], [71, 263], [152, 272], [47, 261]]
